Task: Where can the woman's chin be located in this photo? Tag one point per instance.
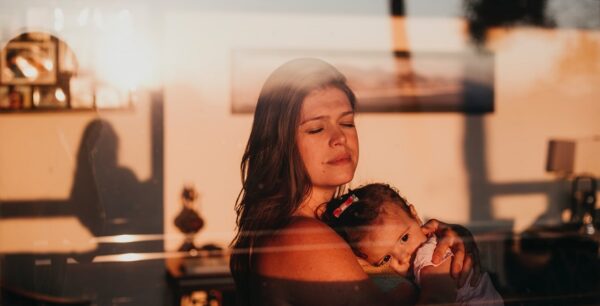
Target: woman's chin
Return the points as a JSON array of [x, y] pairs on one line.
[[344, 180], [334, 181]]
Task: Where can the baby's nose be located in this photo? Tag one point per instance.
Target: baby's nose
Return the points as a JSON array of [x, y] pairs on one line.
[[402, 256]]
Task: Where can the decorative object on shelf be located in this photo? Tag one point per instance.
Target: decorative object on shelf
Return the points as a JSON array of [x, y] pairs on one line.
[[202, 298], [189, 221], [583, 206], [40, 72], [560, 160], [30, 62]]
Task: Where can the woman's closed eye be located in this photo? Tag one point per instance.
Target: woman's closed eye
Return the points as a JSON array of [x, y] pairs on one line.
[[315, 131], [347, 124]]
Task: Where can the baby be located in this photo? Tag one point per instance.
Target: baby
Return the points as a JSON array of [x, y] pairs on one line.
[[383, 229]]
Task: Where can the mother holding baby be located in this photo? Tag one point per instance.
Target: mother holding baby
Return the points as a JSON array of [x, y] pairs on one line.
[[302, 150]]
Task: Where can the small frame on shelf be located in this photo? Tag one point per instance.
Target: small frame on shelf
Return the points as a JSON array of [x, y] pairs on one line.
[[15, 97], [50, 97]]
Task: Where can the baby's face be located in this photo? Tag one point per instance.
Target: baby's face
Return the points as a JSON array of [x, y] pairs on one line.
[[392, 239]]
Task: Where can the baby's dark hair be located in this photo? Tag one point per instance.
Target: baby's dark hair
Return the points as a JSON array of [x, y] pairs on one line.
[[367, 204]]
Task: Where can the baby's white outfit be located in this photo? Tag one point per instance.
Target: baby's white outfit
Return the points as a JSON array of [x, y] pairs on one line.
[[483, 294]]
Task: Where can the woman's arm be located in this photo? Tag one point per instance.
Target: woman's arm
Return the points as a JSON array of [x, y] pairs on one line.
[[437, 286], [307, 263], [461, 242]]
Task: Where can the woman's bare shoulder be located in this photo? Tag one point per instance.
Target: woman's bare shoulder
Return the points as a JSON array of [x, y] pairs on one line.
[[305, 230], [307, 249]]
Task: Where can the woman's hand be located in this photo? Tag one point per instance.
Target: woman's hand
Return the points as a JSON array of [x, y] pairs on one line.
[[461, 242]]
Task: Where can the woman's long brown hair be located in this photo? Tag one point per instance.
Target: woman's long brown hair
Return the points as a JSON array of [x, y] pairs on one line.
[[274, 179]]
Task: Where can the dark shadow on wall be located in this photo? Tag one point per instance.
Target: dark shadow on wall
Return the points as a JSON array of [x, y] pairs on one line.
[[109, 200], [483, 15], [550, 260], [482, 190]]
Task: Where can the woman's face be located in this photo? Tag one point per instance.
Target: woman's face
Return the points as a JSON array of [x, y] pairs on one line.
[[327, 138]]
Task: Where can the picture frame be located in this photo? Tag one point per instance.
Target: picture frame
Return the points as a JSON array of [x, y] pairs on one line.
[[417, 81], [29, 63], [15, 97]]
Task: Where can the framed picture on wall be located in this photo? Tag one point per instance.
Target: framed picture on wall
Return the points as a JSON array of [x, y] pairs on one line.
[[383, 81], [29, 62]]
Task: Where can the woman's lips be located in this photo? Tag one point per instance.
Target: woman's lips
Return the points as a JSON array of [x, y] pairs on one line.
[[340, 160]]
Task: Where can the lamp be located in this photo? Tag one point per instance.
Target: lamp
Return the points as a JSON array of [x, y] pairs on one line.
[[561, 160]]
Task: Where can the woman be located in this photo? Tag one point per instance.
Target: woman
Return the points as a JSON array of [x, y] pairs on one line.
[[302, 149]]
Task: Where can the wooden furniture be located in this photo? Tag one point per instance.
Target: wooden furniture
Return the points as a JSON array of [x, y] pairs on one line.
[[200, 281], [553, 266], [17, 296]]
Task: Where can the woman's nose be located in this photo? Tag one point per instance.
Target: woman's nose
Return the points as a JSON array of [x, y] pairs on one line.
[[338, 136]]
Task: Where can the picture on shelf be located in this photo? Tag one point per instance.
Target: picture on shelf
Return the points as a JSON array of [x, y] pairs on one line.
[[50, 97], [383, 81], [28, 62], [15, 97]]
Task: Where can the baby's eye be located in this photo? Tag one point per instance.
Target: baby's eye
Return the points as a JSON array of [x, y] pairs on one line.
[[385, 260], [405, 238]]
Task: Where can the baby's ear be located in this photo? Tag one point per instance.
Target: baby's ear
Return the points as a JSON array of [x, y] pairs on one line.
[[413, 213]]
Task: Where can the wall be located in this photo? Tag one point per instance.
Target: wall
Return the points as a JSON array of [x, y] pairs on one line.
[[480, 170], [60, 199], [38, 156], [39, 153]]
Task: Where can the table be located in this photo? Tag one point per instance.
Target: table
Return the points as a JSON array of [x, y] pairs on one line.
[[42, 235], [553, 266], [200, 281]]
